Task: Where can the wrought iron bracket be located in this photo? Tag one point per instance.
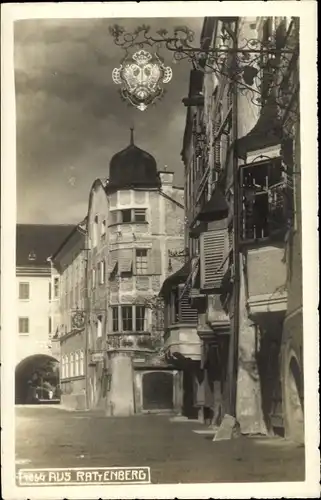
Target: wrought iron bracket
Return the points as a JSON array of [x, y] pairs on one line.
[[251, 64]]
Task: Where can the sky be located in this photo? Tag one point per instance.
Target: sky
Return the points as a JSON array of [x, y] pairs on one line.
[[70, 117]]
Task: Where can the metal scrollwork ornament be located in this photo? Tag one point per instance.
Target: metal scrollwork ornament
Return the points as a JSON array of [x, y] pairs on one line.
[[78, 319], [140, 77]]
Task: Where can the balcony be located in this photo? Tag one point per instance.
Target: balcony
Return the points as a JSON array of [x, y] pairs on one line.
[[266, 280]]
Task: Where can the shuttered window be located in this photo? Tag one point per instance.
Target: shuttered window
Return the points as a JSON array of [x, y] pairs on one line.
[[186, 313], [125, 262], [213, 258]]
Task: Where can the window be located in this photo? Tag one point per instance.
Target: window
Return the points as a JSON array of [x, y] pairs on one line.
[[265, 200], [24, 291], [81, 363], [126, 215], [72, 364], [95, 231], [140, 318], [56, 287], [63, 367], [133, 215], [115, 325], [141, 261], [102, 272], [67, 366], [127, 318], [76, 364], [49, 325], [23, 325], [93, 278], [99, 326], [139, 215], [103, 229]]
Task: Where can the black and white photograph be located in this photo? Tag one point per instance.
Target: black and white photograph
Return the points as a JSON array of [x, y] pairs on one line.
[[159, 263]]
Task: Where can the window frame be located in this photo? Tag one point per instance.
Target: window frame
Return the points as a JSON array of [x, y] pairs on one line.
[[56, 287], [115, 319], [102, 272], [99, 330], [130, 319], [247, 227], [140, 318], [138, 212], [21, 285], [20, 320], [127, 211], [139, 261]]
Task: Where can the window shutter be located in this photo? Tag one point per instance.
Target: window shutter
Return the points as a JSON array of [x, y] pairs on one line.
[[113, 257], [125, 260], [186, 313], [155, 258], [213, 255]]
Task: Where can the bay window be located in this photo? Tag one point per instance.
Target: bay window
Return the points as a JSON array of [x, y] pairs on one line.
[[129, 319]]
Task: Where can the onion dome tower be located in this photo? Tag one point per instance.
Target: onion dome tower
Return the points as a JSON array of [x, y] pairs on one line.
[[133, 168]]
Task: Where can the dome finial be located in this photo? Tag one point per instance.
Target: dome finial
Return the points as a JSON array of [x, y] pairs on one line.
[[131, 135]]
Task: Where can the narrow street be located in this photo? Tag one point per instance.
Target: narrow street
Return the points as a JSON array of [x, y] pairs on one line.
[[53, 437]]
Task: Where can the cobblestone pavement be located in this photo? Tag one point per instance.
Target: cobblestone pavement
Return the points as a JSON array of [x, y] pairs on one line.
[[53, 437]]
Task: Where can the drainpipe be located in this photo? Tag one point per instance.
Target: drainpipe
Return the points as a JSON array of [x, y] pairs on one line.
[[236, 257]]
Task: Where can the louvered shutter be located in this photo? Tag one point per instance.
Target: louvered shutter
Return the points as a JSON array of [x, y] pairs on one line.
[[155, 259], [213, 254], [186, 313], [125, 261], [113, 257]]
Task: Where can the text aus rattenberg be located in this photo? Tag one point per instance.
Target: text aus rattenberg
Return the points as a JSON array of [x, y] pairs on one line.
[[89, 475]]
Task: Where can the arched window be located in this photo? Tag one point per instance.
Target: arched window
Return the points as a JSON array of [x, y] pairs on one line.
[[67, 366], [63, 367], [72, 365], [76, 364], [81, 363]]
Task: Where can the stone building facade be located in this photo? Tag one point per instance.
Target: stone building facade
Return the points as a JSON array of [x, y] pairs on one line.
[[242, 198], [135, 221], [37, 293], [69, 263]]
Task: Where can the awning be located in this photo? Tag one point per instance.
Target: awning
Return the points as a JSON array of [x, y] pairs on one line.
[[266, 133], [175, 279], [113, 261], [125, 262], [215, 209]]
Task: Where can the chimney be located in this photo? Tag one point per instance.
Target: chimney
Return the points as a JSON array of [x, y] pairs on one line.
[[166, 177]]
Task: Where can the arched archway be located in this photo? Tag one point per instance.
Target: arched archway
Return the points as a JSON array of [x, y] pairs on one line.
[[35, 377]]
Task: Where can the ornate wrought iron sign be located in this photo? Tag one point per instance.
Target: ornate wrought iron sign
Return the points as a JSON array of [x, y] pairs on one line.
[[140, 77], [251, 63]]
